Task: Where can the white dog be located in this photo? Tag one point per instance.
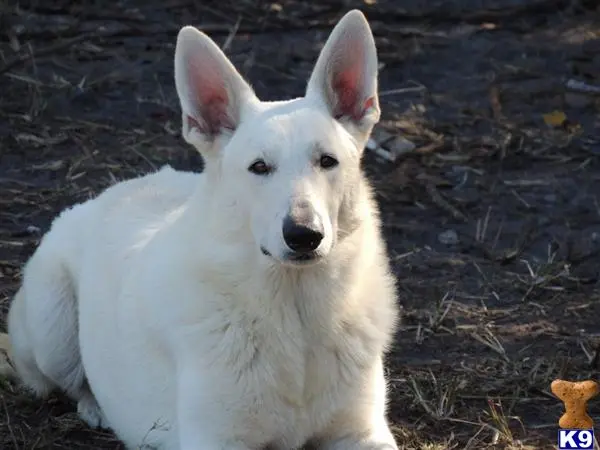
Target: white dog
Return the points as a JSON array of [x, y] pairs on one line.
[[247, 307]]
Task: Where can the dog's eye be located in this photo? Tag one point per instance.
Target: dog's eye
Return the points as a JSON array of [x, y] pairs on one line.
[[259, 167], [328, 162]]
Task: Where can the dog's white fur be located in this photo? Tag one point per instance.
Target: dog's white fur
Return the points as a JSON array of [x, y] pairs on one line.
[[154, 307]]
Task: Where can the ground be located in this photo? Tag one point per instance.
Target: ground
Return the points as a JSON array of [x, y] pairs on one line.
[[492, 220]]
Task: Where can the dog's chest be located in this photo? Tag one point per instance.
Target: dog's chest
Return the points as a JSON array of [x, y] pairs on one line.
[[302, 374], [299, 364]]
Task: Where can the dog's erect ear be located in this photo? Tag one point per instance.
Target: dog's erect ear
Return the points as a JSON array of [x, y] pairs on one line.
[[345, 75], [211, 91]]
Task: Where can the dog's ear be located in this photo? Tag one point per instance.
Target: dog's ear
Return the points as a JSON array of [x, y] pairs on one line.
[[345, 75], [211, 91]]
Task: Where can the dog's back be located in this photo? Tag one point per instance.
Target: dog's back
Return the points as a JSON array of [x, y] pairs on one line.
[[43, 318]]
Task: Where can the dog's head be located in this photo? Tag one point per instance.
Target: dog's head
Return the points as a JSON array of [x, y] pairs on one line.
[[289, 170]]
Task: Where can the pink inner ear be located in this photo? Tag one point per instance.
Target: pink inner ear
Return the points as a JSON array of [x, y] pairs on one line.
[[369, 103], [345, 89], [211, 102], [214, 111], [347, 85]]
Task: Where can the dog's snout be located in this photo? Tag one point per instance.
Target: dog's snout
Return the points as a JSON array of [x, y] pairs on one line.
[[303, 235]]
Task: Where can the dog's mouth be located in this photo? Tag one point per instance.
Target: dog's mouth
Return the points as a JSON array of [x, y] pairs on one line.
[[294, 258], [302, 257]]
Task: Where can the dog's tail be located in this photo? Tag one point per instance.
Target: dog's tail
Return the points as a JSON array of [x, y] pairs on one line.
[[43, 327]]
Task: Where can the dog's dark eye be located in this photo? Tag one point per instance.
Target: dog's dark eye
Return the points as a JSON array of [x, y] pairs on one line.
[[328, 162], [259, 167]]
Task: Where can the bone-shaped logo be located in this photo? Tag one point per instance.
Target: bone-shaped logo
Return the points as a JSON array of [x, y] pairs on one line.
[[575, 396]]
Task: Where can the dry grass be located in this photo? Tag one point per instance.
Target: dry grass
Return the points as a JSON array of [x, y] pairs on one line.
[[492, 315]]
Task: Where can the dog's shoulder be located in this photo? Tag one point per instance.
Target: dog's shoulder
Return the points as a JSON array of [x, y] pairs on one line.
[[121, 215], [137, 199], [156, 192]]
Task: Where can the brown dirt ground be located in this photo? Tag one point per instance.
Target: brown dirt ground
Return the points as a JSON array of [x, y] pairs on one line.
[[493, 222]]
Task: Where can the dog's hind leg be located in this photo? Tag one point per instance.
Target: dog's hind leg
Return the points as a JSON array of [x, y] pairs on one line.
[[21, 352], [44, 334]]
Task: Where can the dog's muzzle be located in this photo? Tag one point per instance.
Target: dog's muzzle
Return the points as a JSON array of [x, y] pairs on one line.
[[302, 232]]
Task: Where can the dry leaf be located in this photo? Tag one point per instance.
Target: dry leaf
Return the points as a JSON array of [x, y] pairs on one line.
[[555, 118]]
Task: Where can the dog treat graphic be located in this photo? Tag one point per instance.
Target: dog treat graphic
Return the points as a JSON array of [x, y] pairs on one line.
[[575, 396]]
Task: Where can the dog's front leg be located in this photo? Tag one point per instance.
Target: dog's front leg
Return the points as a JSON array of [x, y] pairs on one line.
[[373, 434], [362, 425], [203, 422], [382, 440]]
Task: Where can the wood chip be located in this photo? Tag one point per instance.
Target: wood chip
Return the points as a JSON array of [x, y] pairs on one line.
[[389, 146]]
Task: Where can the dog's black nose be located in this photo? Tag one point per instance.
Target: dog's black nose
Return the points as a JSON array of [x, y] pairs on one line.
[[302, 237]]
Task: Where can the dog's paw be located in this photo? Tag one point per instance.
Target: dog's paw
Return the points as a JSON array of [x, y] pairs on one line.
[[89, 411]]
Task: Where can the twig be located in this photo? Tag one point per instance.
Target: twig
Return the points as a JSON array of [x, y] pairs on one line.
[[402, 91], [441, 202], [580, 86], [11, 64]]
